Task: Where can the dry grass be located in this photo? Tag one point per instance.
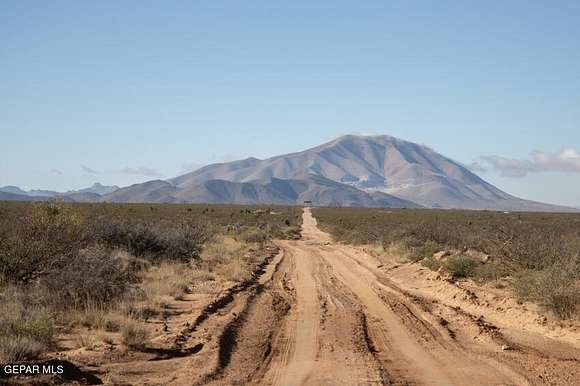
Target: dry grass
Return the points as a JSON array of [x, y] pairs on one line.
[[228, 258], [135, 335], [111, 268], [26, 327], [165, 281], [541, 251]]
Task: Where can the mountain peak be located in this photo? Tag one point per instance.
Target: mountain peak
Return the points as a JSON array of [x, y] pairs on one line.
[[373, 164], [351, 170]]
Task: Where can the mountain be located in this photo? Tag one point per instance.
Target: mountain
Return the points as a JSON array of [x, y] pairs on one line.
[[8, 196], [373, 164], [97, 188], [81, 197], [41, 193], [352, 170], [12, 190], [92, 194], [319, 190], [155, 191]]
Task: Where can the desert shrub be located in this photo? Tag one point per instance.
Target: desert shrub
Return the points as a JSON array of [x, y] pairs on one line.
[[185, 242], [19, 348], [524, 245], [46, 237], [154, 241], [200, 274], [556, 288], [26, 328], [423, 250], [134, 335], [97, 316], [227, 257], [235, 269], [166, 280], [491, 271], [139, 239], [91, 276], [562, 300], [253, 236], [431, 263], [461, 266]]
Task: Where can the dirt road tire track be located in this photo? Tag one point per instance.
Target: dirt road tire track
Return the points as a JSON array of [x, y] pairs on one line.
[[324, 314]]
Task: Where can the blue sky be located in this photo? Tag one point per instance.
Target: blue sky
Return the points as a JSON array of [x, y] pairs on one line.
[[125, 91]]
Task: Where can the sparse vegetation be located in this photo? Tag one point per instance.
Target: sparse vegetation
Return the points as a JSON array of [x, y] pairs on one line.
[[461, 266], [135, 335], [110, 268], [26, 328], [538, 252]]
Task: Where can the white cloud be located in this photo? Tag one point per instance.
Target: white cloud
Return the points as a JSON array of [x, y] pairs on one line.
[[567, 160], [137, 171]]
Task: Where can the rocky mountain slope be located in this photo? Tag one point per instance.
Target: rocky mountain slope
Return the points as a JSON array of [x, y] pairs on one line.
[[316, 189], [352, 170], [373, 164]]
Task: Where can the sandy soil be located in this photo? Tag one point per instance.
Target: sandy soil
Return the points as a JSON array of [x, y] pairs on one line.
[[322, 313]]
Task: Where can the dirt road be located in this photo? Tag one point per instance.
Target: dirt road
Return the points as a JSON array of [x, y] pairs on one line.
[[350, 324], [399, 346], [322, 313]]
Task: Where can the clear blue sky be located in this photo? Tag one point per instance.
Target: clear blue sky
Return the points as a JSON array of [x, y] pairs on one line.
[[122, 91]]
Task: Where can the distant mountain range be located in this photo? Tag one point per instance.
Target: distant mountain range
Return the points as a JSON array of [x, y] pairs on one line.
[[92, 194], [366, 171]]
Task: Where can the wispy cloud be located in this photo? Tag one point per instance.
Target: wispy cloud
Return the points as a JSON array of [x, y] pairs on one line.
[[567, 160], [136, 171], [56, 171], [141, 171], [89, 170]]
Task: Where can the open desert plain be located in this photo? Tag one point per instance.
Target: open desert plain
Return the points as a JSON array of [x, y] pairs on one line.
[[290, 193], [265, 296]]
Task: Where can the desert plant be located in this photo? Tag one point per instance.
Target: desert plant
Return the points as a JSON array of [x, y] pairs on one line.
[[253, 236], [91, 276], [26, 327], [46, 237], [461, 266], [20, 348], [169, 279], [431, 263], [134, 335], [154, 241], [556, 288]]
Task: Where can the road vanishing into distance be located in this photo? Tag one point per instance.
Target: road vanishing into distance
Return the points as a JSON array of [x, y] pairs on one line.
[[323, 313]]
